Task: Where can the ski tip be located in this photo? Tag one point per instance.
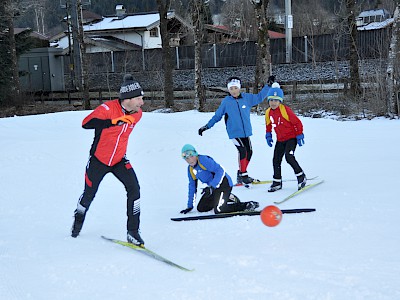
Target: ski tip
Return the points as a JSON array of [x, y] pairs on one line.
[[246, 185]]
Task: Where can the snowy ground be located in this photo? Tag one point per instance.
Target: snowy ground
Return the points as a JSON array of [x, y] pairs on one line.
[[348, 249]]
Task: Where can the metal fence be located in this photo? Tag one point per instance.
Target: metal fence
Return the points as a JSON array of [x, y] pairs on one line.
[[329, 47]]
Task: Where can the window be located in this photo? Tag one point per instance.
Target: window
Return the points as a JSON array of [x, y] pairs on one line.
[[154, 32]]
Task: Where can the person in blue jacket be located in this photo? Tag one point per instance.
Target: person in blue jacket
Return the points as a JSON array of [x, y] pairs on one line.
[[217, 195], [236, 108]]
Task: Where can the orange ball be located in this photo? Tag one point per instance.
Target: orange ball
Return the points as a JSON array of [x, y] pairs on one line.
[[271, 216]]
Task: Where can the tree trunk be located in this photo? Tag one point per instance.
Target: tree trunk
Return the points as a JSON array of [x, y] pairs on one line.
[[167, 55], [393, 69], [355, 85], [9, 80], [84, 64], [197, 19], [263, 59]]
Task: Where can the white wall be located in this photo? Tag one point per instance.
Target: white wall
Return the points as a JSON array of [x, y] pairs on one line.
[[131, 37], [152, 42]]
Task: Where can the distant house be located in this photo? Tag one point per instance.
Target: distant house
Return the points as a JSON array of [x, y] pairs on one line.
[[128, 32], [218, 34], [32, 34], [122, 31], [374, 19], [38, 40], [62, 39]]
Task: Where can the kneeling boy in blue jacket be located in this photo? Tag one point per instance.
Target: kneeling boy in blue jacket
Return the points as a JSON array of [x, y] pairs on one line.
[[217, 195]]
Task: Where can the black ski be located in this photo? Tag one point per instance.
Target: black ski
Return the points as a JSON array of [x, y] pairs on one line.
[[240, 213]]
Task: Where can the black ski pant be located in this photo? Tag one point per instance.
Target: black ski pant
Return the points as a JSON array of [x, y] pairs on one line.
[[123, 171], [219, 200], [286, 149], [245, 151]]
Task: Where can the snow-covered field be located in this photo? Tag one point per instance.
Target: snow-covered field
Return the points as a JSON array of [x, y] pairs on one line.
[[348, 249]]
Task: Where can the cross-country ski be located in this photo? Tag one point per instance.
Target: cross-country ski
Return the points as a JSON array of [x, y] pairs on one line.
[[235, 214], [307, 187], [147, 252]]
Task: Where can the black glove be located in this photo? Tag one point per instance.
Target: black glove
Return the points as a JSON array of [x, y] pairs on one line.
[[271, 80], [202, 129], [185, 211], [207, 191]]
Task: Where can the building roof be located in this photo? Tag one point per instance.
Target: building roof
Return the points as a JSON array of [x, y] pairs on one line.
[[130, 21], [112, 43], [224, 29], [376, 25], [275, 35], [373, 12], [32, 34], [88, 15]]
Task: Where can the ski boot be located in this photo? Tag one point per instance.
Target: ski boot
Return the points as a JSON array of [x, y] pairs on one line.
[[133, 237], [78, 223], [301, 180], [251, 206], [244, 178], [276, 185]]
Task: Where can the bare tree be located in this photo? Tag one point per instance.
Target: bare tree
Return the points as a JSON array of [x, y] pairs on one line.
[[39, 8], [249, 19], [263, 60], [79, 53], [163, 6], [197, 12], [312, 21], [355, 85], [84, 65], [9, 80], [240, 17], [393, 68]]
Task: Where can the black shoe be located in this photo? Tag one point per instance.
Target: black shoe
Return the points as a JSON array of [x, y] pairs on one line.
[[301, 180], [247, 179], [244, 178], [78, 223], [133, 237], [251, 206], [276, 185], [233, 198]]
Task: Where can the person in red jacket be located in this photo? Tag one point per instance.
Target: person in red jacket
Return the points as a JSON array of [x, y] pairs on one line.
[[289, 134], [113, 122]]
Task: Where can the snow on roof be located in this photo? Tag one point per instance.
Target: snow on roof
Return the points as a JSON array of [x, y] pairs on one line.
[[376, 25], [126, 22], [376, 12]]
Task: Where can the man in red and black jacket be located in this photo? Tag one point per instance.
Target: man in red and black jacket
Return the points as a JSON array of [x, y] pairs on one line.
[[113, 122]]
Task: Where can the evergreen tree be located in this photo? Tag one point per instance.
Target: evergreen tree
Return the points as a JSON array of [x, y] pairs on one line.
[[9, 81]]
